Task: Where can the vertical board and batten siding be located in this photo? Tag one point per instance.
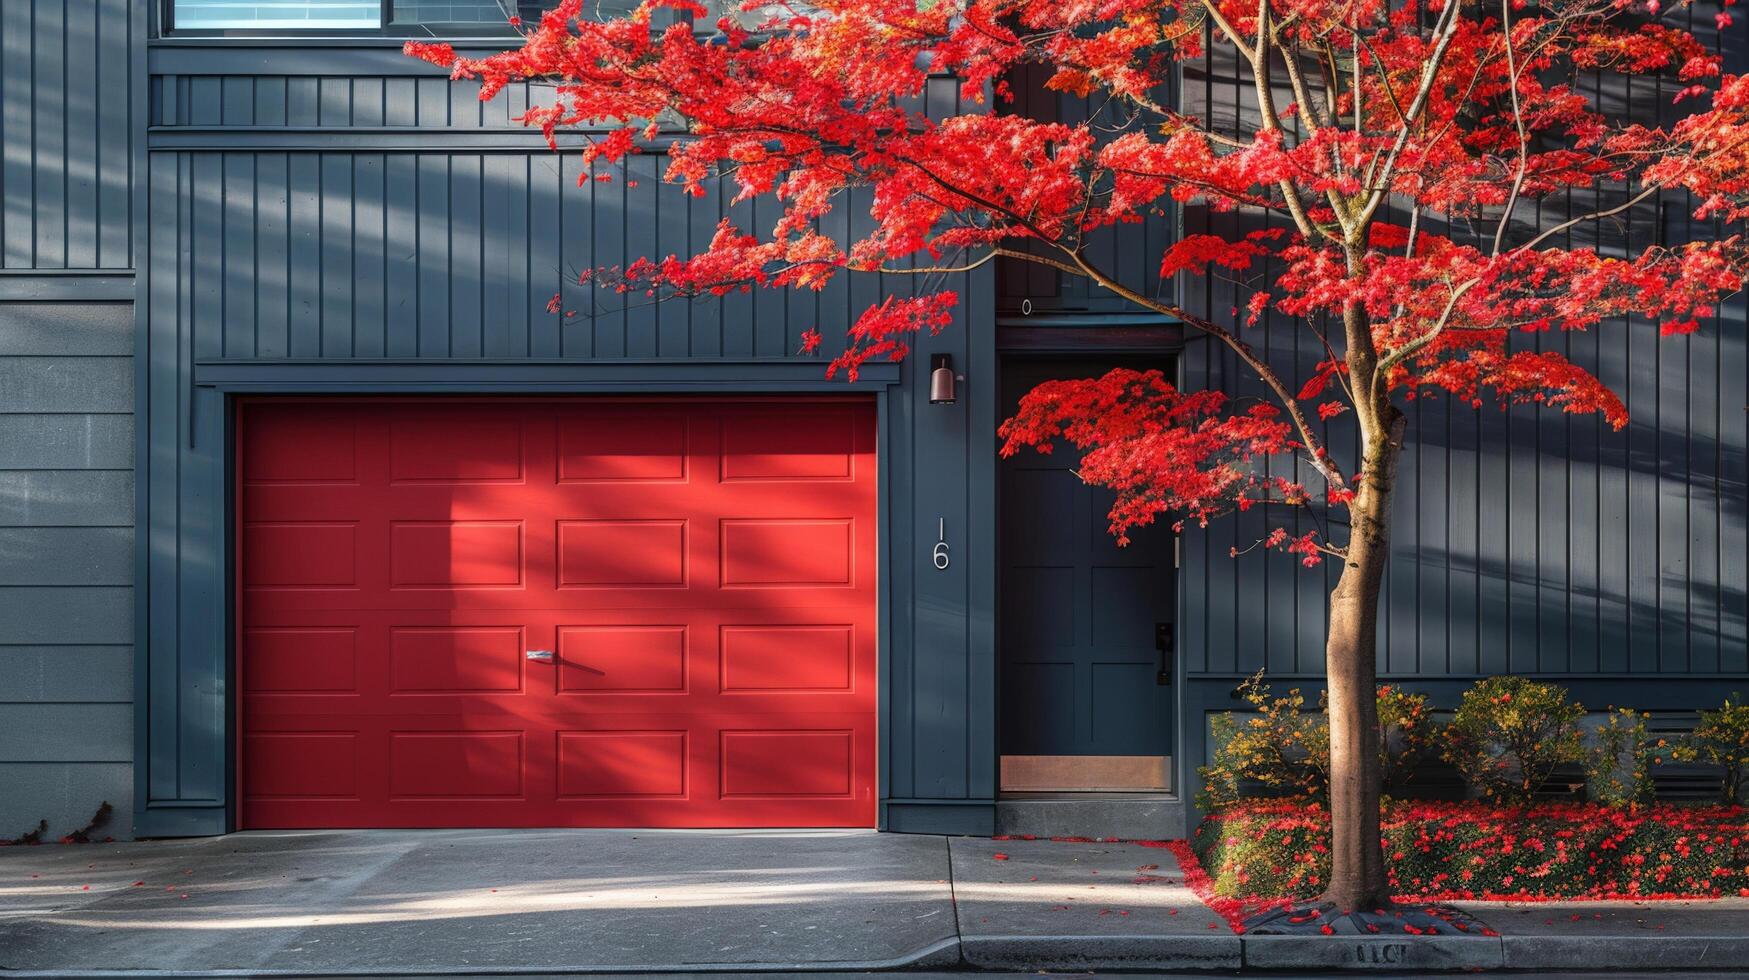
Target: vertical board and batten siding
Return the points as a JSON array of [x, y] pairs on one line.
[[66, 401], [304, 220], [1525, 541], [66, 68], [1130, 253]]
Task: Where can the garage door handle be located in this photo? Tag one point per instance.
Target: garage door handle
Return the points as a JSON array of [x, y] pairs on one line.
[[544, 656]]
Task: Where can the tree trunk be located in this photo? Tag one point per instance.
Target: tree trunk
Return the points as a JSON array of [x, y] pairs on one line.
[[1357, 867]]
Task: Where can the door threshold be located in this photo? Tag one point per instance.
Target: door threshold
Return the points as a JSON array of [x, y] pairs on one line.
[[1025, 797], [1123, 774]]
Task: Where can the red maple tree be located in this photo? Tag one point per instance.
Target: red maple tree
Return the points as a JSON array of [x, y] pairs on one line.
[[1403, 146]]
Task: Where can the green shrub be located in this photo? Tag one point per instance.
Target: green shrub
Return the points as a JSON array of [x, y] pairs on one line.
[[1509, 734], [1452, 850], [1280, 747], [1721, 739], [1617, 771], [1287, 749], [1406, 734]]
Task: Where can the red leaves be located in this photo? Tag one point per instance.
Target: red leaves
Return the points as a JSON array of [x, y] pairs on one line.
[[878, 331], [824, 109], [999, 856], [1453, 851], [1159, 448]]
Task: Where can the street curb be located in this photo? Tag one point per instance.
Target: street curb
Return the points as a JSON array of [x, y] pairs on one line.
[[1602, 953], [941, 954], [1368, 953], [1102, 952]]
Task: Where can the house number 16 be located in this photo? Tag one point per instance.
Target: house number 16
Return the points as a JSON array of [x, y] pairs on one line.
[[939, 554]]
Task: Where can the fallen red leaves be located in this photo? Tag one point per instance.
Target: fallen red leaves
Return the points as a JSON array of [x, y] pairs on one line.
[[1450, 851]]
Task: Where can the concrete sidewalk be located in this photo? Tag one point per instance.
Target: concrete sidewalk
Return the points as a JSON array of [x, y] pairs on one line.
[[509, 902]]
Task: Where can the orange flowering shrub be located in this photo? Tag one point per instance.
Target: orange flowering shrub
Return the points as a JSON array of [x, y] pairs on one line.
[[1449, 851], [1510, 733], [1286, 750], [1721, 739]]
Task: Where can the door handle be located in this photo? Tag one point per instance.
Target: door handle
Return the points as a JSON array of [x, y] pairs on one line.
[[544, 656], [1163, 645]]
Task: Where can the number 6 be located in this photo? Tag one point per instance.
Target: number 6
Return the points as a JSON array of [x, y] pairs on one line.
[[939, 555]]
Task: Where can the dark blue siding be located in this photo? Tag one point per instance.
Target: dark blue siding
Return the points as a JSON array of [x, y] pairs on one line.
[[65, 119]]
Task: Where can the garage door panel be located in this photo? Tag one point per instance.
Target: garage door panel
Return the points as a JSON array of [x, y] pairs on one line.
[[772, 445], [285, 554], [457, 445], [456, 554], [787, 657], [456, 765], [299, 660], [622, 764], [703, 573], [620, 553], [308, 448], [428, 660], [302, 765], [630, 445], [818, 763]]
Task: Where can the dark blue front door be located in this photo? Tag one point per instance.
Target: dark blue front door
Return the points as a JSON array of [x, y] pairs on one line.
[[1080, 620]]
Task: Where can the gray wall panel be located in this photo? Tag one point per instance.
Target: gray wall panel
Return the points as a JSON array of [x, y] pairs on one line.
[[66, 556], [79, 442], [66, 329], [67, 674], [66, 795], [66, 384], [66, 732], [66, 498], [76, 615]]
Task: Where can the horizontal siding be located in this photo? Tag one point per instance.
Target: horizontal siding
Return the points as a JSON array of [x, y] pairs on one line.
[[72, 441], [66, 795], [67, 674], [66, 122], [66, 384], [66, 564], [66, 732], [42, 329], [66, 555], [75, 615], [66, 498]]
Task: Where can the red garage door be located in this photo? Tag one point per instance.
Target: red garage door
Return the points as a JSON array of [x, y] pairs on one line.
[[701, 575]]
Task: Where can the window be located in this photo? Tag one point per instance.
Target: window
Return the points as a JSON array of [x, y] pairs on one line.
[[276, 15], [407, 18], [411, 17]]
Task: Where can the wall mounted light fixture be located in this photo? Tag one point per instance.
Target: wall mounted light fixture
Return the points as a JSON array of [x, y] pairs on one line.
[[941, 379]]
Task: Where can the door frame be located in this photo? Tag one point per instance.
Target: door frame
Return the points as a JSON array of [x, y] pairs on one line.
[[1040, 338], [776, 382]]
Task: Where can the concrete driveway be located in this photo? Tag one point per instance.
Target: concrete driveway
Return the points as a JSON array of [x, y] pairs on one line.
[[462, 901], [566, 901]]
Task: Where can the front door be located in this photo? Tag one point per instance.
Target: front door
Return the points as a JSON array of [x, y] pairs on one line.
[[1086, 690]]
